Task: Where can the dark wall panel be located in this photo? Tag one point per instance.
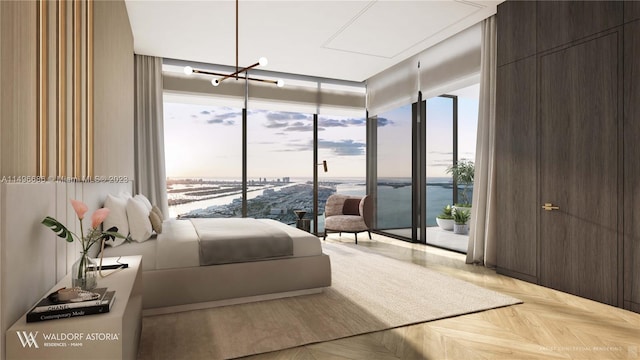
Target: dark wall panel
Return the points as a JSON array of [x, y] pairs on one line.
[[518, 40], [561, 22], [631, 158], [631, 10], [516, 174]]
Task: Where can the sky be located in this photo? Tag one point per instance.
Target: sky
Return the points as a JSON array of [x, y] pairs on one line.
[[394, 141], [205, 141]]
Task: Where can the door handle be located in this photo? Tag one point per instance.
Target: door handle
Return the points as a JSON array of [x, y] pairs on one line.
[[549, 207]]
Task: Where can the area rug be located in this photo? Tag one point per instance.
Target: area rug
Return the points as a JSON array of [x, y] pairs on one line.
[[370, 292]]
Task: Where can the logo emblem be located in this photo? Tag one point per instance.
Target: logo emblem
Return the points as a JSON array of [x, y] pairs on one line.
[[27, 338]]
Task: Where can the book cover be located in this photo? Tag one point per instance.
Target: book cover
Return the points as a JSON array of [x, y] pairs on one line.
[[47, 304], [108, 299]]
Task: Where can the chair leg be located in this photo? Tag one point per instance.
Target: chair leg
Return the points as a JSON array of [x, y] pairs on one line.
[[325, 235], [356, 234], [369, 234]]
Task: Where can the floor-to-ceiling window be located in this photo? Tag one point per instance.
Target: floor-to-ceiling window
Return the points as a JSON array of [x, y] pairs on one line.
[[203, 157], [440, 155], [280, 156], [467, 130], [342, 144], [394, 151]]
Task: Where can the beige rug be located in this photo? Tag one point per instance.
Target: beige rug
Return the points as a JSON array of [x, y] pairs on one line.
[[370, 292]]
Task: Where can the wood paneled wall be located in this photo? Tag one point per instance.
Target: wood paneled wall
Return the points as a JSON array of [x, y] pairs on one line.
[[66, 91], [114, 86], [631, 168], [584, 57], [18, 103], [516, 153]]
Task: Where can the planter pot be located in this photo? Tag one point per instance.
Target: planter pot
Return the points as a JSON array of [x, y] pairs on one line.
[[445, 224], [462, 229]]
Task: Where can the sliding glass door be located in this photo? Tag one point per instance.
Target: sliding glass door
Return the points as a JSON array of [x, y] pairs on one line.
[[416, 144], [394, 187]]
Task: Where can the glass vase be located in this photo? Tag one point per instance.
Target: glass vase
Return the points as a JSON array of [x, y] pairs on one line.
[[84, 273]]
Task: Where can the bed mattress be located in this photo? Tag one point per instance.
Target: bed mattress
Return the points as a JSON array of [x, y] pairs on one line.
[[177, 246]]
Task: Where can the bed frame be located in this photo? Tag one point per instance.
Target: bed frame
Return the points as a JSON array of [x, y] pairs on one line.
[[180, 289]]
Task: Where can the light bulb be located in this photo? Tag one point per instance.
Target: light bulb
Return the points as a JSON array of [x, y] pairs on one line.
[[188, 70], [263, 61], [215, 82], [280, 83]]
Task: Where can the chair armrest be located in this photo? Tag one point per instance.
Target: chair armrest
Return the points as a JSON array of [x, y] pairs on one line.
[[366, 210]]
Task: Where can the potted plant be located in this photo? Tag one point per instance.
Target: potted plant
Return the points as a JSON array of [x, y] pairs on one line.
[[462, 172], [83, 271], [445, 219], [460, 218]]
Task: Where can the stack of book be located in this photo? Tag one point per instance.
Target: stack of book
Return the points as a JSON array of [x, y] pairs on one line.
[[50, 309]]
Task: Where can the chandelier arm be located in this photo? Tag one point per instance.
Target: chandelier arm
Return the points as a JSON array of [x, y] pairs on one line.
[[195, 71], [235, 74]]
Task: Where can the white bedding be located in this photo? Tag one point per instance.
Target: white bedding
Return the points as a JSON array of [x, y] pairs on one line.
[[177, 246]]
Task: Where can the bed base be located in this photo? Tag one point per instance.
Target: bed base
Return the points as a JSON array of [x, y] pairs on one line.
[[220, 303], [171, 290]]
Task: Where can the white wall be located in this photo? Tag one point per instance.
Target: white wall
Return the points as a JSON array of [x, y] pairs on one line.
[[28, 264]]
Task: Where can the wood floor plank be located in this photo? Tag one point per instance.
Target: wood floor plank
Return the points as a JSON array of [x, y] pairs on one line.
[[549, 324], [365, 346], [299, 353]]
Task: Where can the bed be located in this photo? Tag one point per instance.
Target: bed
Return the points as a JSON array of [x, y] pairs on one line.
[[174, 279]]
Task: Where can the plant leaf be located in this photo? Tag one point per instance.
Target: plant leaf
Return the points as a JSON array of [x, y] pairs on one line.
[[112, 233], [58, 228]]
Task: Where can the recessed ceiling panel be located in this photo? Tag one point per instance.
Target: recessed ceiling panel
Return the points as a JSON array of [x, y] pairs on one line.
[[388, 28]]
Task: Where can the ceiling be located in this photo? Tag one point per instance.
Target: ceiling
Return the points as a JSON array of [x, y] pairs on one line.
[[347, 40]]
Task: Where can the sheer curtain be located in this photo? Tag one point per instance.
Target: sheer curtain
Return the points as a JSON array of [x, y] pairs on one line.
[[482, 245], [151, 179]]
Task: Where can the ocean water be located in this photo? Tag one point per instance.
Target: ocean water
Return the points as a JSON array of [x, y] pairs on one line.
[[394, 200], [394, 204]]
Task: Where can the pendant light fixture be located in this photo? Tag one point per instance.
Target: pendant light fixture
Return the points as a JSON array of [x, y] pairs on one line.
[[188, 70]]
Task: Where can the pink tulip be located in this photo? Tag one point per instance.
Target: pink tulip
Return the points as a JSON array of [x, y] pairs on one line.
[[98, 217], [80, 208]]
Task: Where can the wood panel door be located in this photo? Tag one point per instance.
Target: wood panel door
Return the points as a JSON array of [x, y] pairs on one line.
[[579, 116]]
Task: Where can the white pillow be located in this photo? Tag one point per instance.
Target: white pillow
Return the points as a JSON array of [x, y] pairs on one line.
[[117, 217], [139, 223], [146, 201]]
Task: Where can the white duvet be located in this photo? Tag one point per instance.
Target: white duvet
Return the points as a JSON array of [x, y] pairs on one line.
[[177, 246]]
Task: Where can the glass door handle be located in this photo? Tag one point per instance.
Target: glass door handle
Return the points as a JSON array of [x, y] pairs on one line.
[[549, 207]]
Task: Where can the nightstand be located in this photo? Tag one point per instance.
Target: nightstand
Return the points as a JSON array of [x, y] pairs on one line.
[[113, 335]]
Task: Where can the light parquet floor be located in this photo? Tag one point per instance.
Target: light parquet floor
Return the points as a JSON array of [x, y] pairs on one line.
[[548, 325]]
